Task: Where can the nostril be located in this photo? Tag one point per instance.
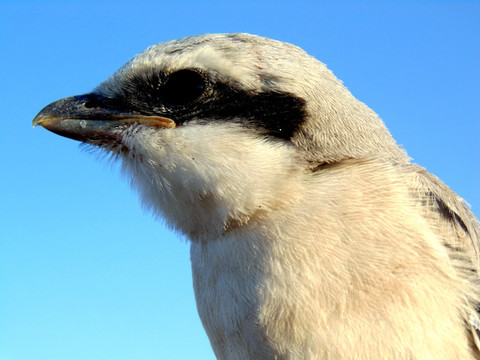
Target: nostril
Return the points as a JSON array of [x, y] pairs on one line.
[[90, 104], [92, 101]]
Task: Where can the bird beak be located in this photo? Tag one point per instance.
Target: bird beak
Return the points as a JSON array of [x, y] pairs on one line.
[[80, 118]]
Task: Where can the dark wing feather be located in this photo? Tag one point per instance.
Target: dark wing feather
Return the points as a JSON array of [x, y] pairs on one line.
[[459, 230]]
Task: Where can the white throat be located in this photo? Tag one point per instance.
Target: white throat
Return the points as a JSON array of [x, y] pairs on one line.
[[207, 178]]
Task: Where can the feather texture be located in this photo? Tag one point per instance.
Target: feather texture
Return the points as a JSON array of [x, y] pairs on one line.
[[312, 234]]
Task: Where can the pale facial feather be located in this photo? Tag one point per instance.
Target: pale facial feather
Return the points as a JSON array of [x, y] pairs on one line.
[[202, 177]]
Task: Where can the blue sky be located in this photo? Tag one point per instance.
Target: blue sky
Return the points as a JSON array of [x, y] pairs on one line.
[[84, 272]]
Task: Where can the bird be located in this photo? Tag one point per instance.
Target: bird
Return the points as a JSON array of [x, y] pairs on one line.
[[312, 233]]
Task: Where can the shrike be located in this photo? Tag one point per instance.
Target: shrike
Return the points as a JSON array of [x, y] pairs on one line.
[[312, 234]]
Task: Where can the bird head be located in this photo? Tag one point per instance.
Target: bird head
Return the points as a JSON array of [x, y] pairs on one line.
[[214, 129]]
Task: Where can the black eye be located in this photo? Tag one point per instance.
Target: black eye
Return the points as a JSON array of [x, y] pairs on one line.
[[182, 87]]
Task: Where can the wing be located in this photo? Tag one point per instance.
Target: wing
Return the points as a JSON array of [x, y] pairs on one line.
[[458, 229]]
